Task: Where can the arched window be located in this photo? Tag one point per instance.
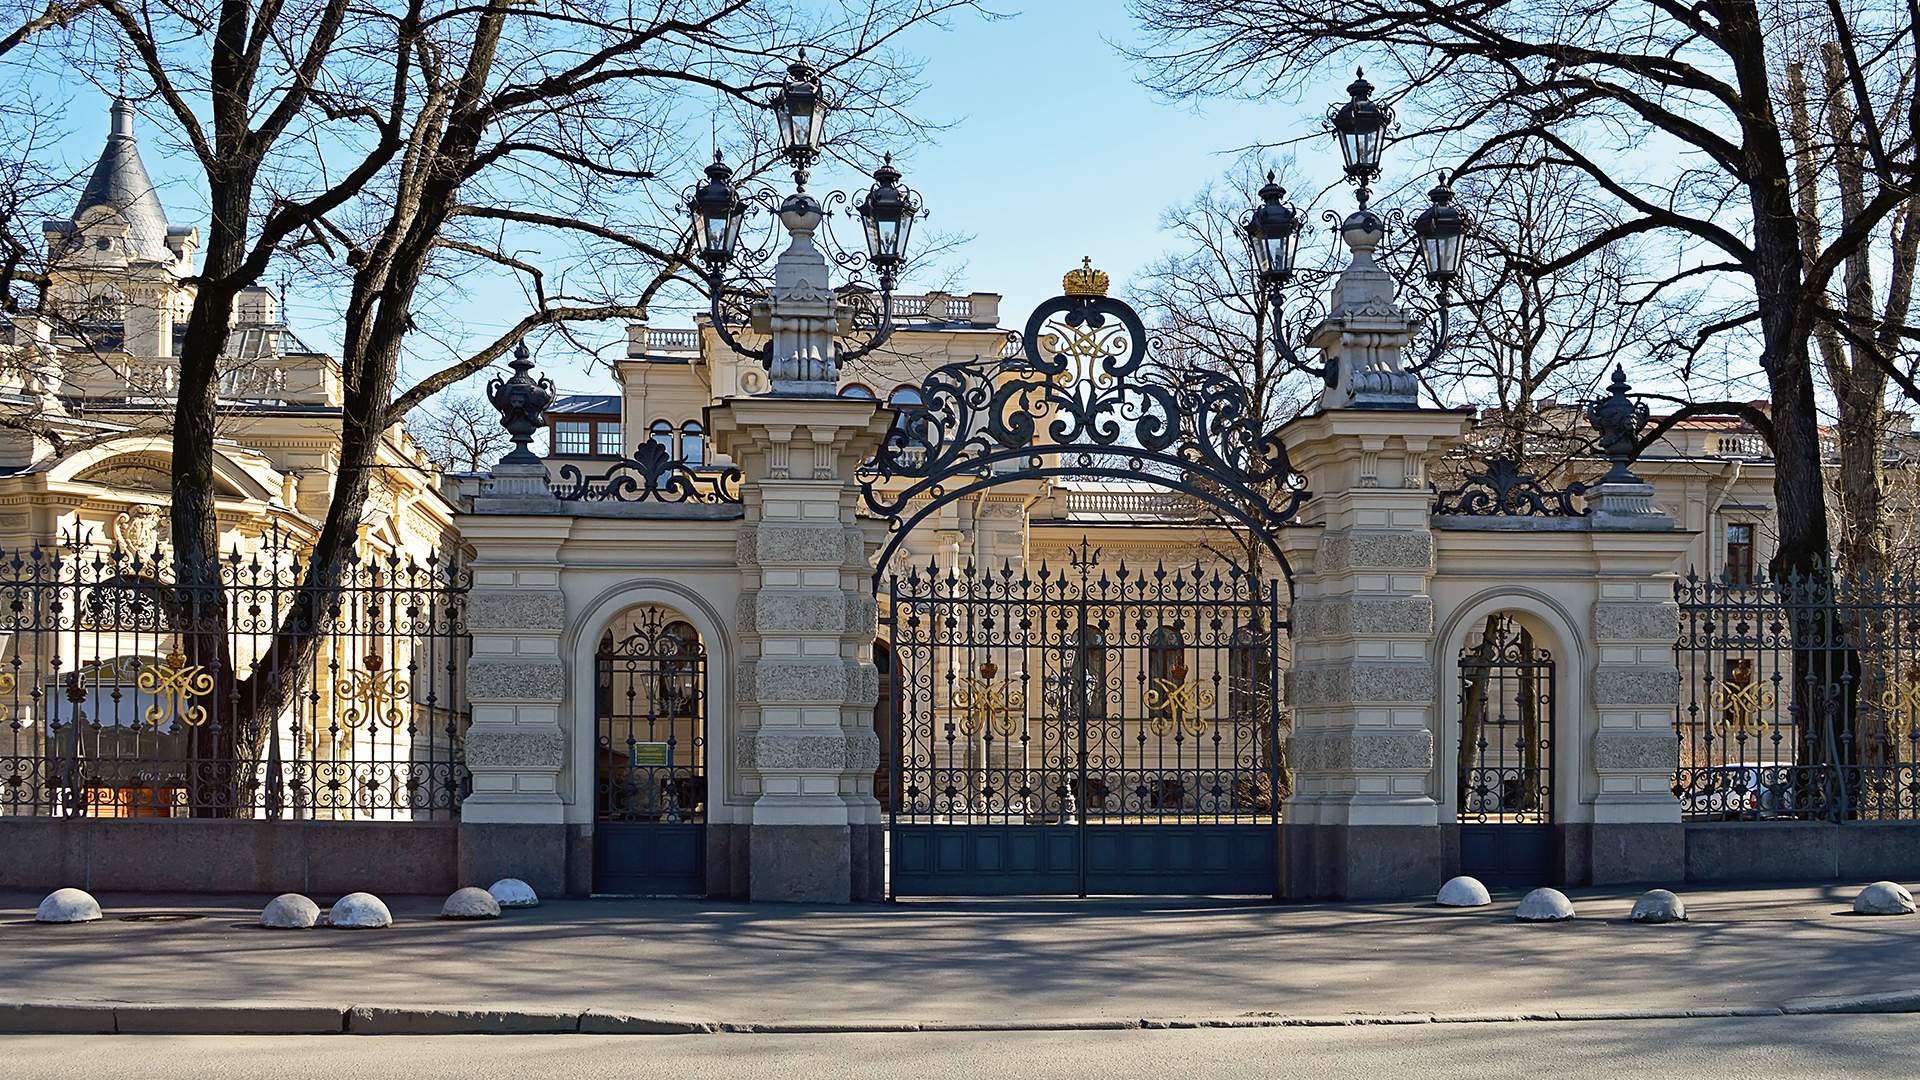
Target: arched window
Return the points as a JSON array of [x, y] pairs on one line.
[[693, 443], [661, 432], [857, 390], [907, 402], [1166, 671]]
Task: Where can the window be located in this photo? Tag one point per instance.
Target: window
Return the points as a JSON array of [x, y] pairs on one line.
[[855, 390], [693, 443], [1166, 674], [572, 437], [909, 420], [1739, 570], [607, 438], [661, 432]]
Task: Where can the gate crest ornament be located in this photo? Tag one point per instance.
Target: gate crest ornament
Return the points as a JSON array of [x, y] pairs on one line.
[[1085, 394]]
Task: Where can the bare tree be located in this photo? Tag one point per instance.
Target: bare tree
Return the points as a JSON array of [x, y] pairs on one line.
[[1674, 111], [409, 149], [461, 433], [1212, 321]]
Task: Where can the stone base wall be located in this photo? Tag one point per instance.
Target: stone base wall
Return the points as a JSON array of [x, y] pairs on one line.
[[1365, 862], [213, 856], [1803, 851]]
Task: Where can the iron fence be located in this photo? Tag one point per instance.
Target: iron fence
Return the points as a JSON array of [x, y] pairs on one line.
[[1800, 698], [138, 685]]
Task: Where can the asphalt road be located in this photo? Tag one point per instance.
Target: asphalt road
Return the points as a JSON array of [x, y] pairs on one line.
[[1803, 1047]]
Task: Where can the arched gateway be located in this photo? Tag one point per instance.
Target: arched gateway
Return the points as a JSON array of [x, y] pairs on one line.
[[1092, 726]]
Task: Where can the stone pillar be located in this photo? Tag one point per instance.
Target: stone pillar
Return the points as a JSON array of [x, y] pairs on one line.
[[804, 743], [513, 824], [1363, 821], [1636, 830], [1365, 333]]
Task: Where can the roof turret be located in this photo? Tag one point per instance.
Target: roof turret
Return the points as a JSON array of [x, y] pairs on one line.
[[120, 183]]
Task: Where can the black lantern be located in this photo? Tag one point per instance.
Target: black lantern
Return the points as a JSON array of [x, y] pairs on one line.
[[1442, 229], [801, 110], [717, 209], [1272, 232], [887, 214], [1360, 126]]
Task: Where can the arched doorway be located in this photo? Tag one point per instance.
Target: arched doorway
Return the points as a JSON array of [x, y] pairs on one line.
[[650, 755], [1504, 779], [1089, 727]]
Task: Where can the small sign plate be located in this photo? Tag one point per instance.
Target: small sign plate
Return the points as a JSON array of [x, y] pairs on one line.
[[652, 755]]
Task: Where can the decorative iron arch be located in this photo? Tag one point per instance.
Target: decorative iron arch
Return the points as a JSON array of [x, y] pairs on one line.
[[1083, 396]]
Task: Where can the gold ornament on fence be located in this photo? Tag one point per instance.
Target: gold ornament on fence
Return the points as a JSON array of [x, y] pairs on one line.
[[1741, 703], [1902, 702], [7, 683], [1176, 703], [175, 683], [986, 703], [375, 694]]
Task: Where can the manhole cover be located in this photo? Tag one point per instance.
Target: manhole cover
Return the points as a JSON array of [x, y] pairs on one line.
[[161, 916]]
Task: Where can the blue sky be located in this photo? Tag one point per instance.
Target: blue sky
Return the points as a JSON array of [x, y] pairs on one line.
[[1052, 151]]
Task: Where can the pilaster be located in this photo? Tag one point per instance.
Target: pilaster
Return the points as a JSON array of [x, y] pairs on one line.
[[804, 742], [513, 822], [1637, 834], [1363, 820]]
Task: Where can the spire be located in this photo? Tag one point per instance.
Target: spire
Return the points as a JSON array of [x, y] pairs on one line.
[[120, 183]]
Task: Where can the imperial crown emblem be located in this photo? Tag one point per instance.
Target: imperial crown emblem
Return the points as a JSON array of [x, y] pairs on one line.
[[1085, 281]]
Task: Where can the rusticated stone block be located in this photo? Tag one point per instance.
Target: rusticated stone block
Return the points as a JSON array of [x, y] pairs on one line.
[[1623, 685], [843, 750], [517, 609], [1334, 684], [1374, 550], [1362, 749], [775, 611], [1635, 751], [801, 544], [492, 748], [1347, 616], [1614, 621], [516, 680], [801, 682]]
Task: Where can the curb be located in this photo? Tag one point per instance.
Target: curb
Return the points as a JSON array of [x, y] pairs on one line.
[[110, 1018]]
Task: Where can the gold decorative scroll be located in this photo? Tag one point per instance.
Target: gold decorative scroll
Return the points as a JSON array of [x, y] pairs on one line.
[[1902, 702], [374, 694], [7, 683], [986, 703], [175, 683], [1742, 708], [1172, 704]]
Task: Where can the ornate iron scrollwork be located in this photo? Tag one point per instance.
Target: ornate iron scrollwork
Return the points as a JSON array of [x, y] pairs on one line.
[[651, 475], [1504, 491], [1083, 397]]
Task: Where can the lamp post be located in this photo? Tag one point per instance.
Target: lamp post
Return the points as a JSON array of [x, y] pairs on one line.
[[1364, 292], [801, 315]]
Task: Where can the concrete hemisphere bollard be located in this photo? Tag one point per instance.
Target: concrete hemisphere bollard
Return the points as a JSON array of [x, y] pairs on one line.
[[1659, 906], [359, 911], [1544, 905], [512, 892], [290, 911], [1883, 898], [470, 903], [1463, 892], [68, 906]]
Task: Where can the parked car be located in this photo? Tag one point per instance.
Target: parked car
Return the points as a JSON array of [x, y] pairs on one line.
[[1742, 791]]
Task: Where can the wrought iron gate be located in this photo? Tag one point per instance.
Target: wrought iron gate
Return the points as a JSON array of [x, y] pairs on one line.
[[1084, 729], [1505, 778], [651, 759]]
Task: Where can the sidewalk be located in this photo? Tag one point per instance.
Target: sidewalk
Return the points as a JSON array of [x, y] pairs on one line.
[[707, 965]]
